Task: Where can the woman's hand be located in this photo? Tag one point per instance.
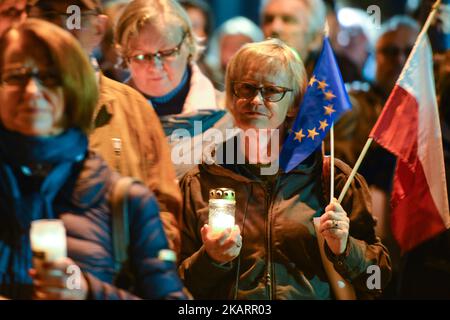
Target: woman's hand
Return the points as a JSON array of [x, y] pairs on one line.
[[224, 246], [334, 226], [59, 280]]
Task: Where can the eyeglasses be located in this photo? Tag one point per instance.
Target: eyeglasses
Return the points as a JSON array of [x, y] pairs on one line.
[[19, 77], [161, 56], [245, 90], [393, 51]]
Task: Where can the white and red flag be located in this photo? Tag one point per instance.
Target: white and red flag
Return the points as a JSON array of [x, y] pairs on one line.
[[409, 128]]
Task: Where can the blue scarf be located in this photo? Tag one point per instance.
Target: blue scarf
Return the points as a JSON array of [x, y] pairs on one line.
[[32, 172]]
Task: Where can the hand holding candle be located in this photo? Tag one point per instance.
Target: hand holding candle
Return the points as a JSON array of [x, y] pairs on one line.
[[221, 209], [221, 237], [224, 246], [50, 263]]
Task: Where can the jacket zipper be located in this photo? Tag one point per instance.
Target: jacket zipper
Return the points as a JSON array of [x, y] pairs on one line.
[[269, 248], [269, 278]]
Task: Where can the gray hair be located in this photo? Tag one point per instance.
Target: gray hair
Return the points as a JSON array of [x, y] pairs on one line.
[[235, 26]]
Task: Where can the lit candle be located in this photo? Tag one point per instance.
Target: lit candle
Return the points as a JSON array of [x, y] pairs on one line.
[[221, 209], [48, 239]]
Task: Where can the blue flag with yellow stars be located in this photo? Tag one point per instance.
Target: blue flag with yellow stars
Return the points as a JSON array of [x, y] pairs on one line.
[[324, 101]]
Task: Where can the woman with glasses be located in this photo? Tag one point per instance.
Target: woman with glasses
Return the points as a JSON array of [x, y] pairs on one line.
[[272, 252], [48, 92], [158, 45]]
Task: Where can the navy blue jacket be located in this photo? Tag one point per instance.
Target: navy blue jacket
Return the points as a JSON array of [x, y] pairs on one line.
[[83, 205]]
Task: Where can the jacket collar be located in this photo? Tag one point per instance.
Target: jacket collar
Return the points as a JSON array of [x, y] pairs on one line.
[[308, 166]]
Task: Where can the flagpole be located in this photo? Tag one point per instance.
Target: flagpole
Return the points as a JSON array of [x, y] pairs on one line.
[[355, 169], [332, 162], [369, 140], [326, 34]]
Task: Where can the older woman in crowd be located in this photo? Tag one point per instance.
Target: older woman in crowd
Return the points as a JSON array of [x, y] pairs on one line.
[[158, 44], [272, 251], [48, 93]]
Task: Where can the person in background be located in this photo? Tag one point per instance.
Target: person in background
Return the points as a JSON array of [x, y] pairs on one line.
[[106, 54], [395, 42], [48, 94], [11, 12], [272, 251], [299, 23], [127, 132], [158, 44], [202, 19], [226, 41]]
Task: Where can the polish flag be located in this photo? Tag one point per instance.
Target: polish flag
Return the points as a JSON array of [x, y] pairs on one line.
[[409, 128]]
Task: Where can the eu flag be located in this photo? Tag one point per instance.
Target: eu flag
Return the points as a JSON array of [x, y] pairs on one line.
[[324, 101]]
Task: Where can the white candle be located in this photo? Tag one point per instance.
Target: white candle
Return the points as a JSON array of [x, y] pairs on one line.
[[220, 221], [48, 239]]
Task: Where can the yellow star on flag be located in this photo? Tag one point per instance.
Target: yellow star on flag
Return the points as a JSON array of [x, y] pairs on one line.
[[322, 84], [329, 95], [299, 135], [323, 125], [312, 80], [312, 133], [329, 110]]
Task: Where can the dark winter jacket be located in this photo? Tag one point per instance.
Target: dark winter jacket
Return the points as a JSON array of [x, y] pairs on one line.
[[280, 257], [57, 178]]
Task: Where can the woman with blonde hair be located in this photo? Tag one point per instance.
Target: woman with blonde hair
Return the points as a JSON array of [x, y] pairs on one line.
[[272, 251]]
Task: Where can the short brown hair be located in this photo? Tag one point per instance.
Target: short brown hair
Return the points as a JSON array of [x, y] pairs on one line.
[[77, 75], [271, 56]]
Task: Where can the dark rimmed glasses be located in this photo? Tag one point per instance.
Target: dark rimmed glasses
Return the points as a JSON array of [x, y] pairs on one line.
[[19, 77], [162, 56], [246, 90]]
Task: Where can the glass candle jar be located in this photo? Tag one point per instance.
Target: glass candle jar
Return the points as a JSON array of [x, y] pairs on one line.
[[48, 239], [222, 205]]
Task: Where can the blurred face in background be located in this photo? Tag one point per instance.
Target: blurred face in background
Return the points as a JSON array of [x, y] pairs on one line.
[[289, 21], [158, 59], [93, 25], [198, 21], [11, 12], [229, 45], [392, 51], [31, 94]]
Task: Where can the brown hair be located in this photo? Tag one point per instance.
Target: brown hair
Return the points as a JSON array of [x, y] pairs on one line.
[[77, 75], [271, 56]]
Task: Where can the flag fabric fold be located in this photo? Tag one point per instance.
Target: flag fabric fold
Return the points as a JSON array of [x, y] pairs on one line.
[[324, 101], [409, 128]]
